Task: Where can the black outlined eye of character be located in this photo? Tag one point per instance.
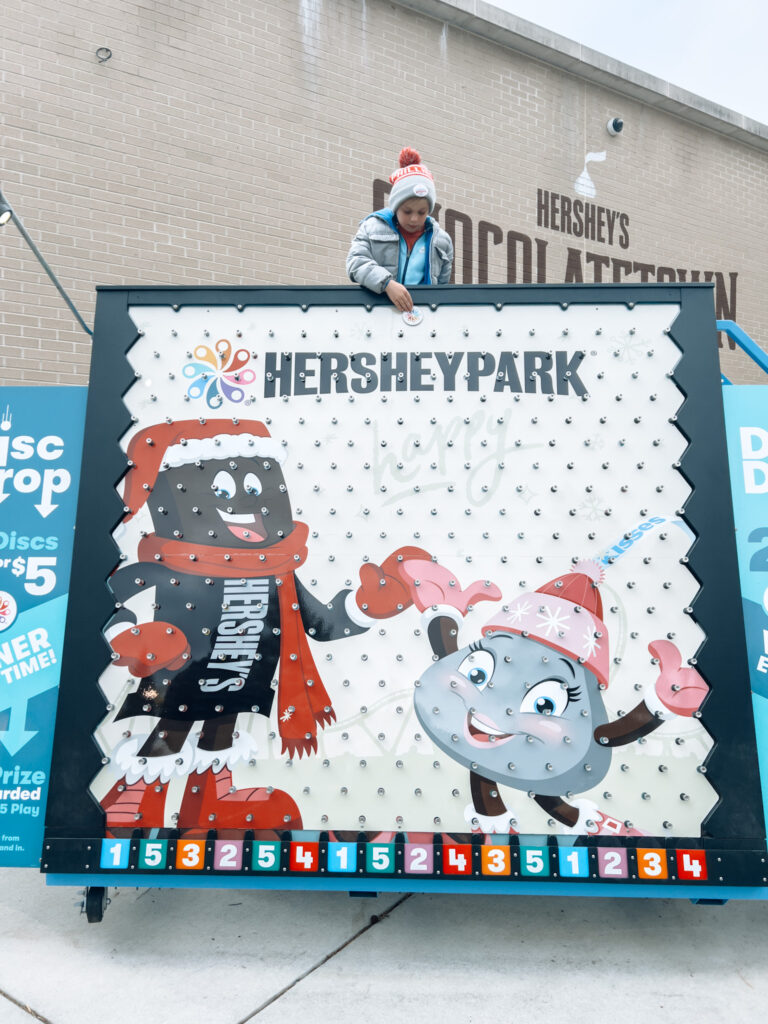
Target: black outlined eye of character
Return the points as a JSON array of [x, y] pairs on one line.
[[252, 484], [224, 485], [549, 697], [478, 668]]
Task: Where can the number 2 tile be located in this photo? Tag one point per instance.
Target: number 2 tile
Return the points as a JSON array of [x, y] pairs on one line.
[[612, 862]]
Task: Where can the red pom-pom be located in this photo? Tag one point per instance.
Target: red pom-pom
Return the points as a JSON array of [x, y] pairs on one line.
[[409, 156]]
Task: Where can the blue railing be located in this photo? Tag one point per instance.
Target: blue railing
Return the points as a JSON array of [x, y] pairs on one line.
[[745, 343]]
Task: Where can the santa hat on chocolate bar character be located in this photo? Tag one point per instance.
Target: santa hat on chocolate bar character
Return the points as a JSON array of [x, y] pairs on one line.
[[565, 614], [181, 442], [412, 180]]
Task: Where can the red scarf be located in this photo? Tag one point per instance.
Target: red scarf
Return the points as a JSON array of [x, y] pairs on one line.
[[302, 700]]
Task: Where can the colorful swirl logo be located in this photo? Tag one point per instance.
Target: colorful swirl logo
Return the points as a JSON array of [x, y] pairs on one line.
[[8, 610], [218, 375]]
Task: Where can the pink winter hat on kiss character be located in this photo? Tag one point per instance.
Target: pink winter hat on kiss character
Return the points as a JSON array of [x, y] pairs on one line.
[[565, 614]]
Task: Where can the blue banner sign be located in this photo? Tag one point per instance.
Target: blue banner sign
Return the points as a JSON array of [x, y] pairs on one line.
[[41, 433], [746, 414]]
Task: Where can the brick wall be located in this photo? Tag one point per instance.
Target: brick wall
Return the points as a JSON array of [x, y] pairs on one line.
[[239, 142]]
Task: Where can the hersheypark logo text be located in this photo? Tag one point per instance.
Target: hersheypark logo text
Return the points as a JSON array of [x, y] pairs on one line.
[[324, 373]]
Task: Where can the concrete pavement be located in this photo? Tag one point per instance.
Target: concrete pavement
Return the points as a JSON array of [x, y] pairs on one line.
[[227, 957]]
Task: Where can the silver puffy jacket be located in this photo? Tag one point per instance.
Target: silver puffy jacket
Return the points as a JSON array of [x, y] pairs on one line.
[[375, 250]]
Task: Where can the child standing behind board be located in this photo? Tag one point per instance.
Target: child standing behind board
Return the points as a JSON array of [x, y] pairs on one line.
[[402, 245]]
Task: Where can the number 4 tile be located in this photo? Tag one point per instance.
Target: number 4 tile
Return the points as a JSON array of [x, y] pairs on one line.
[[457, 860], [305, 856], [692, 865]]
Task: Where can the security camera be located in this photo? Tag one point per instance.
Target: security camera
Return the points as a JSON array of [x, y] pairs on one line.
[[615, 125]]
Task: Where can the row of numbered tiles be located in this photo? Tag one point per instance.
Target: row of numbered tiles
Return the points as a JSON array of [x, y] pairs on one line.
[[415, 859]]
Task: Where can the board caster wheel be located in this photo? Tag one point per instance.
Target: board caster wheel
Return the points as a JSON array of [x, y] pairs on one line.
[[95, 903]]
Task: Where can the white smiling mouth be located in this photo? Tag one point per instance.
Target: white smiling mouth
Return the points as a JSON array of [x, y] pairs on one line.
[[245, 519], [480, 725], [481, 731]]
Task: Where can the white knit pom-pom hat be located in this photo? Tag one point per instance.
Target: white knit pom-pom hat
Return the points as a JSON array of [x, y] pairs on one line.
[[412, 180]]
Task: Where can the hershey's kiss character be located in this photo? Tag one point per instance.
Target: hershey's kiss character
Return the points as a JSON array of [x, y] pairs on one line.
[[523, 705]]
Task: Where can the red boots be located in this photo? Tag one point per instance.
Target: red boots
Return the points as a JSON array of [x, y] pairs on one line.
[[135, 805], [210, 801]]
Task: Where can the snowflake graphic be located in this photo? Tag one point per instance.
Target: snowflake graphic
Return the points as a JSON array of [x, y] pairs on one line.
[[286, 715], [630, 347], [592, 508], [218, 375], [358, 331], [552, 622], [520, 611], [590, 644]]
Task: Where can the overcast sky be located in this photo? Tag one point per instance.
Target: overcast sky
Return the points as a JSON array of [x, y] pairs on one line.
[[715, 48]]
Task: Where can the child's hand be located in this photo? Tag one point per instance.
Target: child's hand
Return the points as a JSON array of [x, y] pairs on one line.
[[399, 296]]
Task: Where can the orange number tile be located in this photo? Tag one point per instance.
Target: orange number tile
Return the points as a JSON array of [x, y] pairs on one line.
[[190, 854], [652, 864], [496, 860]]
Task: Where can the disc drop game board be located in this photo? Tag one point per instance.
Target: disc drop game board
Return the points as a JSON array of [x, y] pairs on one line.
[[447, 601]]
